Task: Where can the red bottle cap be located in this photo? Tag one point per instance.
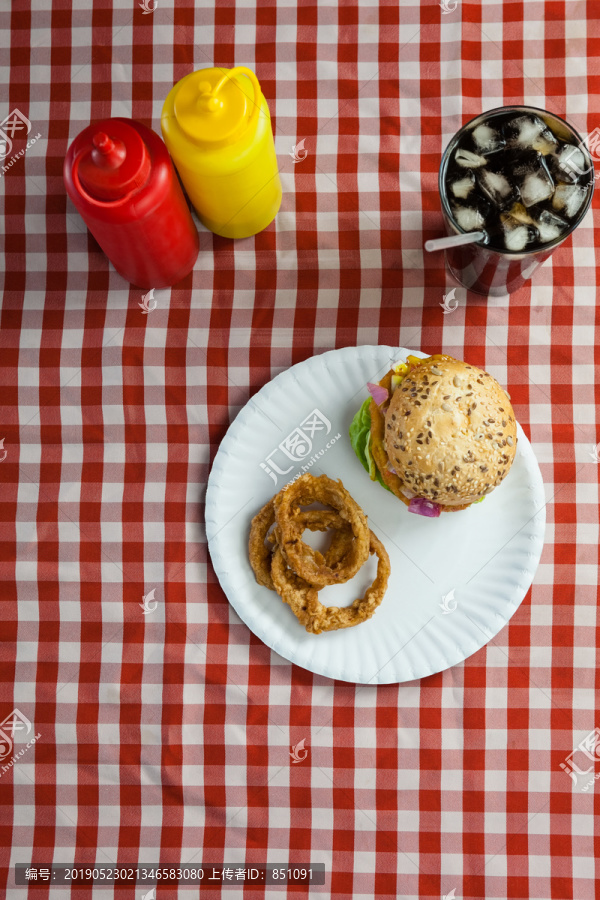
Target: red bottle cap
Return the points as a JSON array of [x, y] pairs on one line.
[[115, 163]]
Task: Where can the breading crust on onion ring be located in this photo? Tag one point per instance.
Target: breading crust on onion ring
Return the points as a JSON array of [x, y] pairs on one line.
[[275, 547], [303, 598], [313, 519], [305, 561]]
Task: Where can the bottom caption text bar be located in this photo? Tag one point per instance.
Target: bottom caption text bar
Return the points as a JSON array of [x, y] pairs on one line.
[[32, 875]]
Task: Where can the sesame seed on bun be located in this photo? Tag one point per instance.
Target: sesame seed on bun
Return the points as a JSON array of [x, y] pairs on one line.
[[450, 432]]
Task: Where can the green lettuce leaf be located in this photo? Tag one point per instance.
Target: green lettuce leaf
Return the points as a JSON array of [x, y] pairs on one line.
[[360, 438]]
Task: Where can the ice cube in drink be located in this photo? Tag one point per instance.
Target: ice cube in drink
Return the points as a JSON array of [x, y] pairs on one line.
[[471, 216], [496, 187], [461, 187], [569, 198], [487, 140], [550, 226], [530, 132], [517, 236]]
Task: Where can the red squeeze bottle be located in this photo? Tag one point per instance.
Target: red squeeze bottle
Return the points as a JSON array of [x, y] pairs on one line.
[[120, 178]]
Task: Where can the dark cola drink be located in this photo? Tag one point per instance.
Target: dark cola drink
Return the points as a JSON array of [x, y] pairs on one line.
[[524, 178]]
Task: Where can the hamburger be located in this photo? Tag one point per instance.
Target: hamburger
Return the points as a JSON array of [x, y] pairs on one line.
[[438, 433]]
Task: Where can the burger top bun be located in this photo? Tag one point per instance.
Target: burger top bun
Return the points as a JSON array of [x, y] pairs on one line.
[[450, 432]]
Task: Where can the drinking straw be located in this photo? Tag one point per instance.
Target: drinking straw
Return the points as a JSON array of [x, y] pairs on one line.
[[455, 241]]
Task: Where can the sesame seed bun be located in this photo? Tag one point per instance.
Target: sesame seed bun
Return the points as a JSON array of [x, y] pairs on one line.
[[450, 432]]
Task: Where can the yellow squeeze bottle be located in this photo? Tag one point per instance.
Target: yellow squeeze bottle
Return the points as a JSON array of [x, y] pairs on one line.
[[217, 127]]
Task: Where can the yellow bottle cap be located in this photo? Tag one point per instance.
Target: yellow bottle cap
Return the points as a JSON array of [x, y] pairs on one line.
[[217, 105]]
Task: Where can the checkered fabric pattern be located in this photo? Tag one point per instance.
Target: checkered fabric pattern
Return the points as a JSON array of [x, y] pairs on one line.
[[166, 737]]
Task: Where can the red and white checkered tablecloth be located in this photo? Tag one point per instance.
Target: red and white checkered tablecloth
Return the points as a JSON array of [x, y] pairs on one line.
[[167, 737]]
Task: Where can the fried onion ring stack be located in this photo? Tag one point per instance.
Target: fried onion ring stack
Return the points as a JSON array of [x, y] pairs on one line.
[[284, 563]]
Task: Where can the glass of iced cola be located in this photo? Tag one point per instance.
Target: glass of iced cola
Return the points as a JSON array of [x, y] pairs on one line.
[[524, 178]]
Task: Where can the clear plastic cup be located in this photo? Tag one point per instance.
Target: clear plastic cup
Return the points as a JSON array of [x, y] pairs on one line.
[[490, 271]]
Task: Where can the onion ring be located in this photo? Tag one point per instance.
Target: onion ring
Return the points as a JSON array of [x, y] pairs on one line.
[[315, 520], [303, 598], [304, 561]]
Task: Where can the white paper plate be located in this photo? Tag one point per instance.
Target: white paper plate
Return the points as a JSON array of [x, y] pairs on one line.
[[482, 560]]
